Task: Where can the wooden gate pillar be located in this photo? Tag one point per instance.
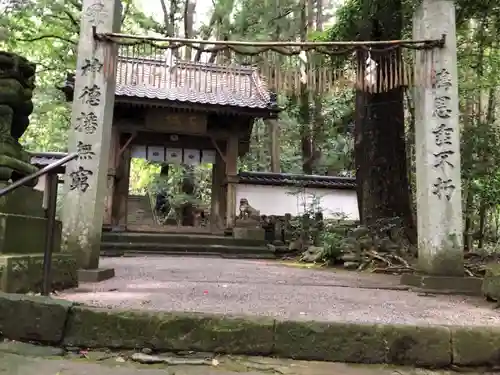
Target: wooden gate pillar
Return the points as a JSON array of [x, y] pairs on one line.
[[231, 179], [120, 193]]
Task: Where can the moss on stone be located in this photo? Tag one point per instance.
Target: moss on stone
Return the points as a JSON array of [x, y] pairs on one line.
[[32, 318], [417, 346], [22, 201], [93, 327], [359, 343], [449, 259], [476, 346], [24, 273], [342, 342], [21, 234]]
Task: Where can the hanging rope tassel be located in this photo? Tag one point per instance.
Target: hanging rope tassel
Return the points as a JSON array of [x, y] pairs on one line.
[[284, 67]]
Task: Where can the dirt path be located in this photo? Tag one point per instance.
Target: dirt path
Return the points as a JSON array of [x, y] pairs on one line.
[[12, 364], [269, 288]]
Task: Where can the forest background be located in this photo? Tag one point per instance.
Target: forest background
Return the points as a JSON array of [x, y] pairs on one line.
[[327, 133]]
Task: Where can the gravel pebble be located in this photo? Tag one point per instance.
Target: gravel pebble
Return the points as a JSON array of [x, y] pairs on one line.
[[268, 288]]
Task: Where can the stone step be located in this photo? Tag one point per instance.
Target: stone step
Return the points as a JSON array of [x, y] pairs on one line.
[[152, 248], [132, 253], [175, 238]]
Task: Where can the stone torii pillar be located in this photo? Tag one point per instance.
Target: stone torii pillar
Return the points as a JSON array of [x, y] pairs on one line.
[[90, 137], [437, 136]]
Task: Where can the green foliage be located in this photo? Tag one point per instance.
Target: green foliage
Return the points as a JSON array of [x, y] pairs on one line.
[[331, 242], [479, 62], [46, 32]]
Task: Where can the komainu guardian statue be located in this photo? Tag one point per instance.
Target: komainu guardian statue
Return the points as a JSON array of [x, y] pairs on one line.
[[17, 82]]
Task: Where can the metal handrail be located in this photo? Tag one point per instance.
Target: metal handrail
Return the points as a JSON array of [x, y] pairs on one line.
[[50, 201], [41, 172]]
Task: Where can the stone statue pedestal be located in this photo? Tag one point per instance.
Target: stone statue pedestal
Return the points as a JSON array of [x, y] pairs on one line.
[[248, 229], [23, 230]]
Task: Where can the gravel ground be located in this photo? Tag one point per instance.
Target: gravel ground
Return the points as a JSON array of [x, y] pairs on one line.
[[273, 289]]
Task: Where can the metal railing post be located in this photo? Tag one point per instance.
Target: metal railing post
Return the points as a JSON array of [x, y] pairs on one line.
[[50, 192], [49, 203]]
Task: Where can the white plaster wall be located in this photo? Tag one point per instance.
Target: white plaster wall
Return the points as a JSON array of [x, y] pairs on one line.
[[275, 200]]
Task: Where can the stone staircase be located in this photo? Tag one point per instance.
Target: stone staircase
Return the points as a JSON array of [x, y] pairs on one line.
[[139, 211], [201, 244]]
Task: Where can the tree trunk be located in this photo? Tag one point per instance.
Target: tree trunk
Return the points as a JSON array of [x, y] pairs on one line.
[[468, 225], [482, 222], [273, 125], [304, 113], [360, 159], [273, 128], [189, 9], [380, 140], [318, 119]]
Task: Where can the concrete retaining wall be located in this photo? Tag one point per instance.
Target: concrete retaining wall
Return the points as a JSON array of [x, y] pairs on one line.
[[57, 322]]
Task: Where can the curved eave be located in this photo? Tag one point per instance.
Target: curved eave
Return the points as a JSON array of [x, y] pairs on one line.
[[297, 180], [199, 107], [256, 112]]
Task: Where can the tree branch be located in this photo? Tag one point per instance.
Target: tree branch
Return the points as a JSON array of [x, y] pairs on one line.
[[38, 38], [63, 20], [76, 4], [126, 11], [72, 18]]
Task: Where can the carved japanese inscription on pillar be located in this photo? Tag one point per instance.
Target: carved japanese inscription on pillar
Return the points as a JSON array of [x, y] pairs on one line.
[[90, 134], [91, 95], [80, 179], [84, 151], [86, 124], [443, 186], [95, 13], [91, 66]]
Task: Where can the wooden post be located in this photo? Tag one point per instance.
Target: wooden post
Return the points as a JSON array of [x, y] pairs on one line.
[[221, 173], [231, 177], [111, 185], [120, 194], [215, 197]]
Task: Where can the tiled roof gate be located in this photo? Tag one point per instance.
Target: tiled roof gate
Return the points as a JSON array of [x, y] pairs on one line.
[[162, 76]]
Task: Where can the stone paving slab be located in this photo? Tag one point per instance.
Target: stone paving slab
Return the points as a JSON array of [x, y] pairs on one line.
[[80, 326], [268, 288], [12, 364]]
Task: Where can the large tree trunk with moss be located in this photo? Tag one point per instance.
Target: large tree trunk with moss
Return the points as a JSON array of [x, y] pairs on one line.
[[380, 149]]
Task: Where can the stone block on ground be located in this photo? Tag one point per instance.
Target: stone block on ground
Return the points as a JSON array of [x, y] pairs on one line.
[[95, 275], [444, 284], [363, 343], [22, 201], [162, 331], [21, 234], [30, 350], [335, 342], [22, 273], [249, 233], [476, 346], [418, 345], [491, 282], [33, 318]]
